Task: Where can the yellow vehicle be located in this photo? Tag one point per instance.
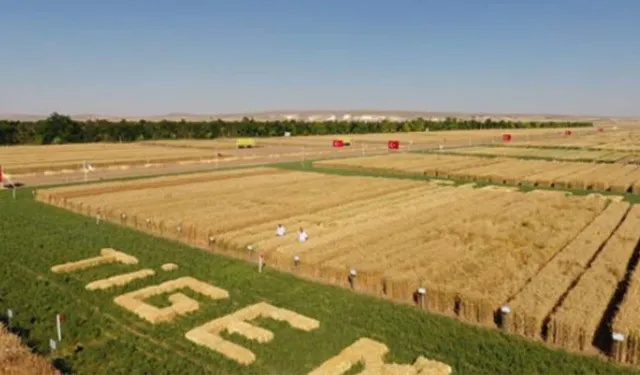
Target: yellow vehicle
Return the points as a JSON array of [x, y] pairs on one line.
[[346, 141], [245, 143]]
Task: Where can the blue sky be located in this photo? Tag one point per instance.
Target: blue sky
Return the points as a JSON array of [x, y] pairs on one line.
[[146, 57]]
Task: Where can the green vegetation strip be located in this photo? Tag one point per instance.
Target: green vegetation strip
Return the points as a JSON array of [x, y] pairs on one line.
[[114, 341]]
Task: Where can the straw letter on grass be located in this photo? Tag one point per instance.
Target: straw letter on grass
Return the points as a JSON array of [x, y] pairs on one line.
[[106, 256], [208, 334], [371, 353], [180, 304]]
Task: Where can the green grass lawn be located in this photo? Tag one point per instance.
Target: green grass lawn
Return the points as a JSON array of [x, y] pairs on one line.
[[114, 341]]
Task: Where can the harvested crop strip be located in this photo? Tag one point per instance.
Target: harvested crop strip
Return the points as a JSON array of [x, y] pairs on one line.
[[574, 323], [536, 300]]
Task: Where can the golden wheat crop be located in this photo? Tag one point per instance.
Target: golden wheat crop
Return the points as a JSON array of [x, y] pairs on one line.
[[627, 141], [618, 178], [626, 323], [574, 323], [31, 159], [471, 249], [550, 153], [535, 301]]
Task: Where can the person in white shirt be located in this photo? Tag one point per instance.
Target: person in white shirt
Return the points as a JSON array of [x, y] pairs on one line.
[[302, 236], [280, 230]]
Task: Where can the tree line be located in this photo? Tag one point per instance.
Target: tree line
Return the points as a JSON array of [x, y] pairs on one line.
[[59, 129]]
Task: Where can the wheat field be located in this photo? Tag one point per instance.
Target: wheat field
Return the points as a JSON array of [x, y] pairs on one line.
[[612, 140], [546, 153], [617, 178], [473, 250], [34, 159]]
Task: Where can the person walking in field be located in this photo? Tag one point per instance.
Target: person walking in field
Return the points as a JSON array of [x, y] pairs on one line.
[[280, 230], [302, 236]]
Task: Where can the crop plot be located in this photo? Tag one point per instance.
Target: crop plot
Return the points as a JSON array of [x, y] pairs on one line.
[[536, 300], [617, 178], [616, 140], [471, 251], [626, 328], [575, 322], [543, 153], [35, 159]]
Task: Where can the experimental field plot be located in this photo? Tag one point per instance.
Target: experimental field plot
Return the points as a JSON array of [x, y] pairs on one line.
[[544, 153], [613, 140], [617, 178], [460, 251], [428, 138], [34, 159]]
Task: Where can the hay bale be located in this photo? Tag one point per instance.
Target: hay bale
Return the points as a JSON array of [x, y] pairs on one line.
[[371, 353], [169, 267], [181, 304], [107, 256], [208, 334], [119, 280]]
